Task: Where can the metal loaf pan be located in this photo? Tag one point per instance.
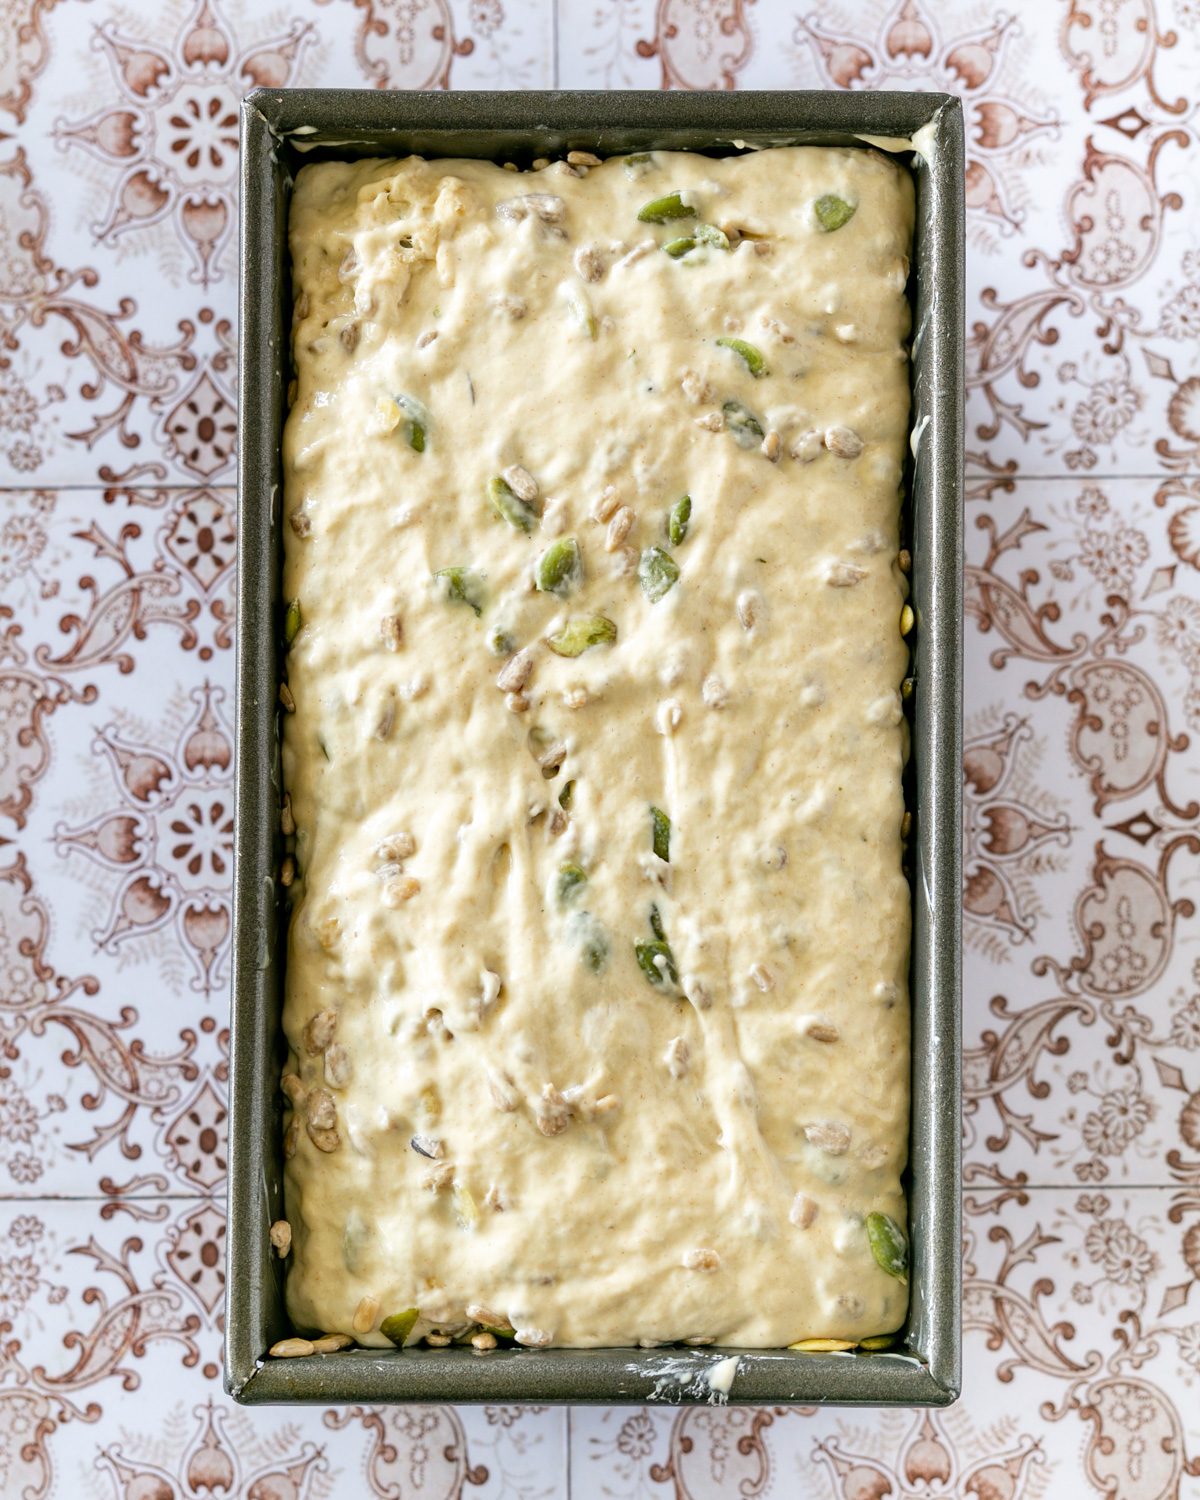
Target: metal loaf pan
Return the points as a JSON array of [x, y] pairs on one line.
[[280, 131]]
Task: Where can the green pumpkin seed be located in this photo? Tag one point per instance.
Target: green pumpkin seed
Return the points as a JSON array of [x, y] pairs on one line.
[[567, 796], [656, 961], [888, 1244], [680, 247], [418, 421], [560, 567], [399, 1325], [584, 930], [658, 573], [660, 833], [581, 634], [660, 210], [709, 234], [877, 1342], [462, 586], [510, 507], [677, 520], [748, 353], [292, 621], [570, 879], [747, 430], [832, 212]]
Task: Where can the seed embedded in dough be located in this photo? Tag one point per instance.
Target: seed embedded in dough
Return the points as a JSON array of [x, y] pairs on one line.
[[324, 1140], [822, 1031], [338, 1067], [533, 1338], [281, 1237], [806, 446], [506, 1099], [696, 388], [583, 159], [440, 1178], [619, 528], [438, 1340], [843, 441], [397, 892], [677, 1057], [319, 1032], [391, 631], [605, 504], [397, 846], [702, 1260], [829, 1136], [803, 1211], [590, 263], [553, 1111], [762, 977], [695, 989], [522, 483], [772, 445], [749, 608], [483, 1340], [714, 692], [844, 575], [516, 672], [366, 1314], [667, 717]]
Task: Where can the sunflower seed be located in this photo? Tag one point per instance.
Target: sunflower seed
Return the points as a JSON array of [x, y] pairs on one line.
[[319, 1032], [291, 1349]]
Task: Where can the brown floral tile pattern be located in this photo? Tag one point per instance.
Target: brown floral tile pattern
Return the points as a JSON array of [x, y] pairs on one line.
[[1081, 782]]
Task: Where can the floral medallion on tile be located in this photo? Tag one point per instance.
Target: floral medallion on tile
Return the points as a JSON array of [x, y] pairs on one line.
[[166, 140]]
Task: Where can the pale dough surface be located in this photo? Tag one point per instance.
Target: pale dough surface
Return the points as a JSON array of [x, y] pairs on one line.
[[713, 1159]]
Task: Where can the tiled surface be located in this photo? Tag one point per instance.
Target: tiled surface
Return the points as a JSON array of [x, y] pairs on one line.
[[117, 398]]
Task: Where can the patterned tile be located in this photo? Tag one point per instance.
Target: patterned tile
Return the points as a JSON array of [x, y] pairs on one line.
[[1082, 821], [1082, 825], [1083, 1358], [1083, 307], [121, 174], [102, 1299]]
